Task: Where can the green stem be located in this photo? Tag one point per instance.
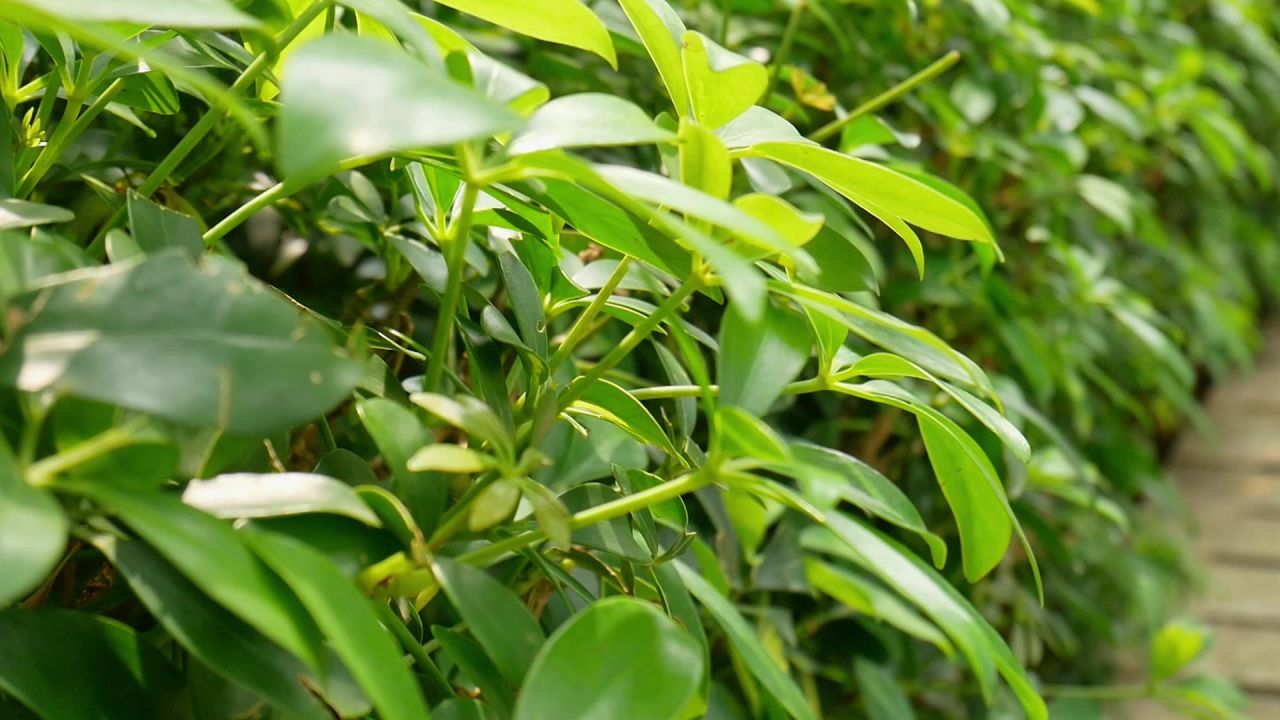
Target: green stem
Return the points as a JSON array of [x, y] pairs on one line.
[[581, 326], [67, 132], [42, 473], [935, 69], [784, 47], [438, 687], [212, 116], [632, 339], [456, 262], [669, 490]]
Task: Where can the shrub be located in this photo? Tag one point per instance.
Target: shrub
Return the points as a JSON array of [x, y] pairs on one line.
[[546, 360]]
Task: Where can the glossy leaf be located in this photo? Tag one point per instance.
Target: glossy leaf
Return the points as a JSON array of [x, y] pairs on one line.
[[21, 213], [722, 84], [217, 14], [346, 97], [251, 495], [758, 661], [587, 120], [662, 31], [620, 659], [758, 358], [502, 625], [567, 22], [33, 533], [348, 622], [203, 345], [212, 556], [156, 228], [215, 636], [65, 664]]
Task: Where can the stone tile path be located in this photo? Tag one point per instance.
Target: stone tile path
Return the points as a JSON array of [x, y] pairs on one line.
[[1231, 483]]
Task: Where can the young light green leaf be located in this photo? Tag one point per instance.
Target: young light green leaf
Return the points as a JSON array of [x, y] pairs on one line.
[[213, 14], [254, 495], [501, 623], [795, 226], [210, 633], [444, 457], [567, 22], [347, 620], [874, 186], [470, 415], [587, 120], [704, 161], [619, 659], [347, 97], [211, 555], [1176, 646], [757, 659], [722, 84], [662, 32], [206, 346]]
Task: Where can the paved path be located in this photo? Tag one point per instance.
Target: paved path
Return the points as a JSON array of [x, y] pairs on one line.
[[1231, 483]]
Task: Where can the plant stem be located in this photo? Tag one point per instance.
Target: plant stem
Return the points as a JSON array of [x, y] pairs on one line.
[[211, 117], [669, 490], [456, 262], [69, 129], [41, 473], [438, 685], [280, 190], [935, 69], [784, 47], [631, 340], [581, 326]]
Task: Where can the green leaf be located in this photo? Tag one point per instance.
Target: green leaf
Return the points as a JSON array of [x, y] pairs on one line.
[[662, 33], [20, 213], [348, 622], [759, 357], [211, 555], [611, 403], [470, 658], [526, 301], [587, 120], [33, 533], [882, 697], [977, 640], [705, 163], [210, 633], [214, 14], [875, 187], [502, 624], [619, 659], [745, 435], [205, 346], [26, 259], [829, 476], [795, 226], [444, 457], [748, 647], [1177, 645], [567, 22], [887, 365], [758, 125], [398, 434], [346, 97], [157, 228], [253, 495], [470, 415], [869, 598], [722, 84], [65, 664]]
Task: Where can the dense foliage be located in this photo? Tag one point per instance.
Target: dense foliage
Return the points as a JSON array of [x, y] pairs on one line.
[[629, 359]]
